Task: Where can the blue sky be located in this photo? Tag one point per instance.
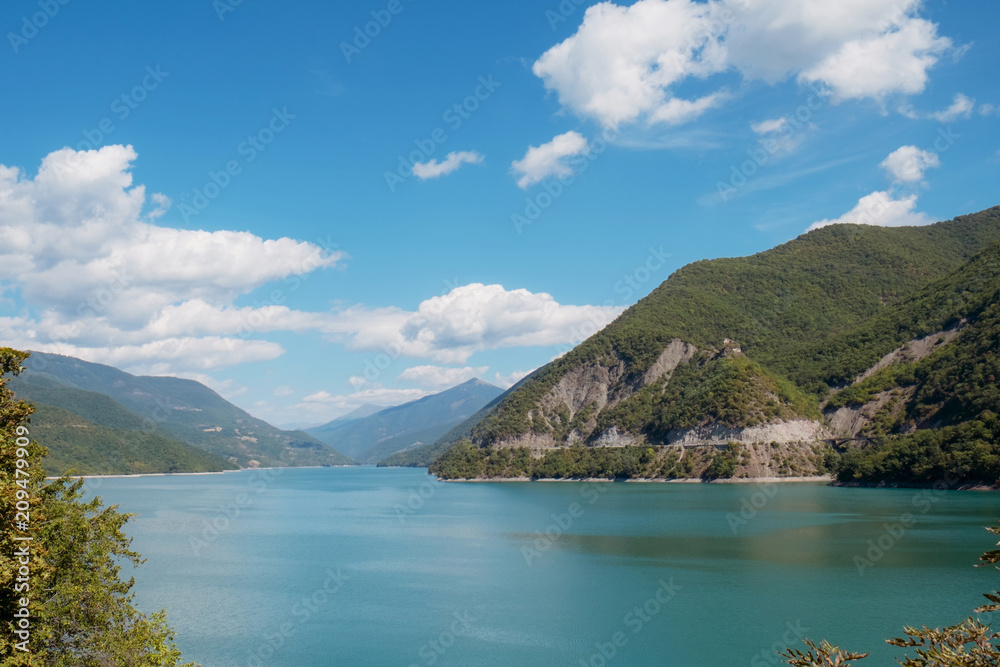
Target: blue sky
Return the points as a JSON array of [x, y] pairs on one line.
[[226, 191]]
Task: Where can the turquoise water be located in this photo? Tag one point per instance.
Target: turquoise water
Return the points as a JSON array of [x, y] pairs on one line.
[[366, 566]]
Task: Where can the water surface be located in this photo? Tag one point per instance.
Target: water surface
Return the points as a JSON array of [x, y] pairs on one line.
[[366, 566]]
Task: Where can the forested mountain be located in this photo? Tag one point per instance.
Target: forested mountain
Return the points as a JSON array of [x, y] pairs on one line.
[[749, 350], [86, 448], [173, 408], [371, 439]]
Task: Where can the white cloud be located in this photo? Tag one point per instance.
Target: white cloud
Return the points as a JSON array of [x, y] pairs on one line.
[[880, 208], [283, 390], [451, 162], [541, 162], [677, 111], [114, 287], [989, 110], [907, 164], [440, 377], [228, 389], [160, 357], [324, 406], [876, 66], [769, 126], [448, 329], [961, 107], [625, 64], [508, 380]]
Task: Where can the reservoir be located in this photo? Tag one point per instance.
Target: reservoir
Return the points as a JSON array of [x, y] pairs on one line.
[[376, 566]]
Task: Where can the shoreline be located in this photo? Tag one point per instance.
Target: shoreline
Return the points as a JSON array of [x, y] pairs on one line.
[[179, 474], [647, 480]]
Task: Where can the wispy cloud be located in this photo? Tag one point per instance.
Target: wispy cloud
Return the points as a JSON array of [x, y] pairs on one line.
[[451, 162], [550, 159]]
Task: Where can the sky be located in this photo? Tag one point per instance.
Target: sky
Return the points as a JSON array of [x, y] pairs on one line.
[[311, 206]]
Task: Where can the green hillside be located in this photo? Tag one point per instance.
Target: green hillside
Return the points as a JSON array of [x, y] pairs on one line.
[[936, 417], [777, 305], [78, 445], [182, 409], [768, 338], [371, 439]]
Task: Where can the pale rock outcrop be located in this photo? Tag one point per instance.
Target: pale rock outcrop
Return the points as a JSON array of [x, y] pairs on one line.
[[798, 430]]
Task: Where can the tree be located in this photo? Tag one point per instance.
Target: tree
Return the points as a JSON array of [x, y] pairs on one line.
[[966, 644], [62, 600]]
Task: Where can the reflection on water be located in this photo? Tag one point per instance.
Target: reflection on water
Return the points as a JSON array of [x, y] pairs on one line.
[[542, 574]]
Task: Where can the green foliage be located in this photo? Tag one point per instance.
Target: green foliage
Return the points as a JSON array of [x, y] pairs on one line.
[[969, 643], [730, 390], [184, 410], [75, 444], [823, 655], [966, 453], [81, 610], [723, 465], [417, 457], [814, 312], [465, 460]]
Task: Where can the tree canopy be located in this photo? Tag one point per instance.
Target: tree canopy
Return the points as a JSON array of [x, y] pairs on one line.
[[63, 601]]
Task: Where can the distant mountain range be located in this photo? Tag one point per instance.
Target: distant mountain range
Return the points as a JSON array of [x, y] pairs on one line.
[[880, 340], [98, 419], [371, 438]]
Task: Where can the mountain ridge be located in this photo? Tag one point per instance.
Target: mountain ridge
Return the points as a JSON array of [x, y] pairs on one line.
[[733, 344], [396, 428], [178, 408]]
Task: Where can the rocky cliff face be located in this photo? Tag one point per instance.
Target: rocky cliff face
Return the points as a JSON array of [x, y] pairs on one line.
[[813, 341]]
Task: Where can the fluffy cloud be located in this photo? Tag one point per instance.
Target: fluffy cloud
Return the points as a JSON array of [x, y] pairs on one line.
[[112, 286], [448, 329], [880, 208], [541, 162], [876, 66], [626, 63], [440, 377], [451, 162], [907, 164]]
